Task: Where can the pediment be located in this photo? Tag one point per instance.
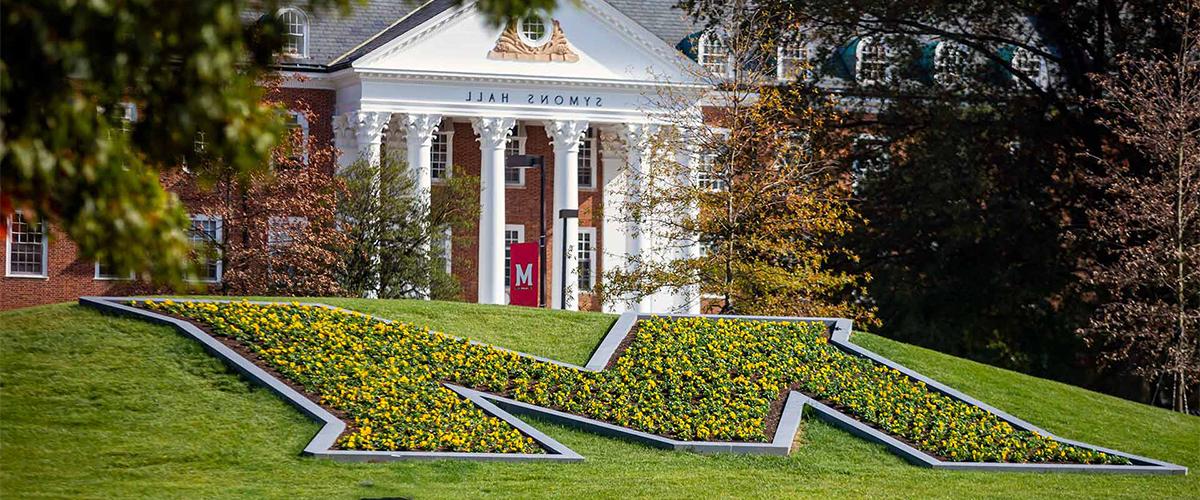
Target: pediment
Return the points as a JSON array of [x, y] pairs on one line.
[[590, 41]]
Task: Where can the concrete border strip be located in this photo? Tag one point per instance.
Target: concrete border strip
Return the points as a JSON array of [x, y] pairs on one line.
[[504, 408]]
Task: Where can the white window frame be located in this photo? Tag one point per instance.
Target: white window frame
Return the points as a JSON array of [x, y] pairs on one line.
[[110, 277], [520, 230], [547, 30], [702, 55], [448, 136], [219, 238], [302, 50], [8, 272], [781, 57], [705, 168], [448, 248], [277, 235], [944, 75], [592, 243], [519, 135], [1042, 76], [302, 122], [590, 138], [864, 43]]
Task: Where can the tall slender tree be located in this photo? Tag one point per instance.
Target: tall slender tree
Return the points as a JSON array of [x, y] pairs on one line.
[[1149, 315], [743, 201]]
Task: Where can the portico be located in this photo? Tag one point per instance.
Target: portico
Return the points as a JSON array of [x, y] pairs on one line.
[[464, 112]]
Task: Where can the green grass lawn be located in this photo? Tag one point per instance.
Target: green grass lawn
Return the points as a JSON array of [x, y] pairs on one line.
[[101, 407]]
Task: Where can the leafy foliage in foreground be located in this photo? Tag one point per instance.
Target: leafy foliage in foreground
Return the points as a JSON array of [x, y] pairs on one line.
[[691, 378]]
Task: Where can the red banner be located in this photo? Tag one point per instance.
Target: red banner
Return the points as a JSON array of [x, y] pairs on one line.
[[523, 274]]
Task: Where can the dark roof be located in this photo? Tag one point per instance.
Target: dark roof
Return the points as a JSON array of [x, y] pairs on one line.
[[335, 40]]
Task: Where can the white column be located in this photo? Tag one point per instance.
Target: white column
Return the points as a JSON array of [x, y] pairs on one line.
[[566, 135], [615, 185], [637, 138], [369, 127], [419, 130], [493, 132], [344, 141]]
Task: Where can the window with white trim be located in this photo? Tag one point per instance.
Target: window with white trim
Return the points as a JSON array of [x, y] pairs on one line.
[[297, 125], [1031, 65], [26, 248], [513, 233], [282, 231], [707, 175], [949, 63], [587, 160], [447, 248], [205, 234], [441, 156], [295, 32], [870, 157], [792, 59], [515, 176], [533, 30], [107, 273], [714, 54], [586, 256], [129, 115], [872, 64]]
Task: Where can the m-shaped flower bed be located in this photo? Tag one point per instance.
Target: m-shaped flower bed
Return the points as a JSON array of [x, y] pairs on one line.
[[689, 379]]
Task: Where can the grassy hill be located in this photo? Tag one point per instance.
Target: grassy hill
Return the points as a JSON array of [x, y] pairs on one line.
[[100, 406]]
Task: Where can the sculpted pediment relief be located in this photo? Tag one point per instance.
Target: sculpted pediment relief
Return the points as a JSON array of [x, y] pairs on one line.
[[522, 41]]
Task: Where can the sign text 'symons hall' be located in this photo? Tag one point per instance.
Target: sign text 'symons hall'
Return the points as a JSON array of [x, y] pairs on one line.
[[582, 101]]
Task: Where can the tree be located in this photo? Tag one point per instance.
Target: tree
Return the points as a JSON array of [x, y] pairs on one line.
[[274, 231], [1149, 313], [191, 68], [762, 192], [977, 166], [396, 240]]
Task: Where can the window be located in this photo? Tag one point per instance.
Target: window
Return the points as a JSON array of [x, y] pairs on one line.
[[205, 234], [440, 156], [707, 176], [793, 60], [949, 63], [514, 176], [297, 125], [873, 64], [714, 54], [513, 233], [129, 115], [295, 32], [106, 272], [587, 160], [26, 249], [1029, 64], [870, 157], [447, 248], [282, 231], [533, 31], [587, 258]]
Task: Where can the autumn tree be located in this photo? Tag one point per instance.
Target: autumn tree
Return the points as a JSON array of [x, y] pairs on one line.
[[397, 239], [1149, 276], [978, 128], [742, 201], [273, 231], [67, 71]]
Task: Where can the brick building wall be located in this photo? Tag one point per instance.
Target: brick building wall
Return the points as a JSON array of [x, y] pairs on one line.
[[68, 276]]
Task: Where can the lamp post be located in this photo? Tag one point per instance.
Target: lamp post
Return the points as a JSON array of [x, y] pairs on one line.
[[538, 162]]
